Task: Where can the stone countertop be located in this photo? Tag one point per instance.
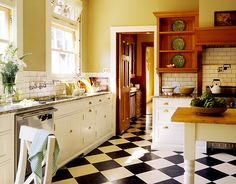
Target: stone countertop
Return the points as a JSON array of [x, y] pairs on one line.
[[17, 107], [175, 96]]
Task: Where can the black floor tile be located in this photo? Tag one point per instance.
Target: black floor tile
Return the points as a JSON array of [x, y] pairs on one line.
[[173, 171], [132, 139], [115, 137], [94, 152], [170, 181], [233, 162], [139, 168], [78, 162], [209, 161], [107, 143], [148, 156], [176, 159], [139, 133], [127, 145], [118, 154], [110, 164], [91, 179], [129, 180], [62, 174], [211, 174]]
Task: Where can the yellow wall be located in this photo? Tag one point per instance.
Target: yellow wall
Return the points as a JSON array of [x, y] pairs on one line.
[[34, 34], [208, 7], [103, 14], [149, 73]]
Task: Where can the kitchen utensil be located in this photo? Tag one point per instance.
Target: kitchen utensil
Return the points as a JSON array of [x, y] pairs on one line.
[[178, 43], [185, 90], [178, 60], [215, 88], [178, 25]]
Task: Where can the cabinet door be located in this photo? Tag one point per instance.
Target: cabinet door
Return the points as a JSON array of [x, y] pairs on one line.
[[62, 129], [104, 124], [5, 151], [6, 173], [89, 132]]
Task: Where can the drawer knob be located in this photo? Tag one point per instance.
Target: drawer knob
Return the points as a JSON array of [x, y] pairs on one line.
[[90, 110], [89, 127], [165, 110], [109, 98], [90, 102], [100, 100], [165, 127], [165, 103]]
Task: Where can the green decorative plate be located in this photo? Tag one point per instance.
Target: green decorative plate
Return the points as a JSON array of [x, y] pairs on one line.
[[178, 43], [178, 60], [178, 25]]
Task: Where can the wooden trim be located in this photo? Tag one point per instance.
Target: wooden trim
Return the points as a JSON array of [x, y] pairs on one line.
[[222, 35]]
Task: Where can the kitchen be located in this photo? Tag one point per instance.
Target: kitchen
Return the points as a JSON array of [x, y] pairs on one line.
[[97, 48]]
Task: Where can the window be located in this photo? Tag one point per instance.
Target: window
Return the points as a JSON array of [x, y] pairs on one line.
[[65, 36], [5, 27], [64, 51]]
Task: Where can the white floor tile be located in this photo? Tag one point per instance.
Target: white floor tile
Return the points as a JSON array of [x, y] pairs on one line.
[[98, 158], [117, 173], [197, 179], [118, 141], [82, 170], [226, 180], [124, 161], [198, 166], [164, 154], [133, 130], [153, 176], [226, 168], [224, 157], [107, 149], [159, 163], [126, 135], [136, 151], [142, 143]]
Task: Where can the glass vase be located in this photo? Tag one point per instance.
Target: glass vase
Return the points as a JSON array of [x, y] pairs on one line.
[[8, 82]]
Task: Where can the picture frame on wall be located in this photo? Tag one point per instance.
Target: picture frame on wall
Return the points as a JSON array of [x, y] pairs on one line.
[[225, 18]]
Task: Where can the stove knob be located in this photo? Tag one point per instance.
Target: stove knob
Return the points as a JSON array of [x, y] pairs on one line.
[[232, 104]]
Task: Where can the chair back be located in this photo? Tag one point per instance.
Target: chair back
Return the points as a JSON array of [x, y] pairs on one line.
[[26, 136]]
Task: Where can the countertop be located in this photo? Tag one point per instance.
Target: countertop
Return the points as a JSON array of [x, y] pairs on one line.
[[188, 115], [17, 107]]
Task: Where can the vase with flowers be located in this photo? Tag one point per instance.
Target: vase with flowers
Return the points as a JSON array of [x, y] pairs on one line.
[[10, 64]]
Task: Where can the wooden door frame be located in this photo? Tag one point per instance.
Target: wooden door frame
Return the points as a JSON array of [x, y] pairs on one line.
[[144, 45], [114, 83]]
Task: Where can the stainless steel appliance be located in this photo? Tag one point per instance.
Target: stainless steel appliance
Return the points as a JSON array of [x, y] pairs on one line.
[[42, 118], [228, 93]]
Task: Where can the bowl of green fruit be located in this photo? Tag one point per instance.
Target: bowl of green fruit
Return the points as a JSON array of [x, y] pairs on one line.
[[207, 104]]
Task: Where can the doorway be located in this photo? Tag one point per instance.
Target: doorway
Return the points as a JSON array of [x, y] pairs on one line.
[[114, 80]]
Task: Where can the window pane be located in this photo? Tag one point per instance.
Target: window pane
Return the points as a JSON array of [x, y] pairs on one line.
[[3, 47], [4, 25]]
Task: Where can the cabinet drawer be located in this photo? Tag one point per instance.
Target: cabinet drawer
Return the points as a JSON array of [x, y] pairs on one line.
[[90, 113], [89, 132], [6, 121], [99, 99], [5, 142], [164, 114], [170, 134], [172, 102]]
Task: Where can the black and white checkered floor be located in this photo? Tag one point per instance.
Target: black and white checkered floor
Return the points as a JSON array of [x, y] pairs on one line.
[[128, 159]]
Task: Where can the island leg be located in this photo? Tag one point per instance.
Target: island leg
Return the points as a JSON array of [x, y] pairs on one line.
[[189, 152]]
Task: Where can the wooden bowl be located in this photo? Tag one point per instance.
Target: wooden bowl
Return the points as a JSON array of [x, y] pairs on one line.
[[186, 90], [210, 111]]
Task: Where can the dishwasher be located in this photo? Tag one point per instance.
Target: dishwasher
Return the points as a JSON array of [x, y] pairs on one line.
[[41, 118]]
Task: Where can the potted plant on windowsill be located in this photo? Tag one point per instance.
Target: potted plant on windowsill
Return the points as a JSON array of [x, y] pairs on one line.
[[10, 64]]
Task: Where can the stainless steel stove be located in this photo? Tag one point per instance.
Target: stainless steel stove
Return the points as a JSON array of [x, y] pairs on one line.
[[229, 94]]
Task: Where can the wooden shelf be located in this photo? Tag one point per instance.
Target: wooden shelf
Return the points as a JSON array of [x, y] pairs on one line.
[[177, 32], [177, 70], [221, 35], [175, 51]]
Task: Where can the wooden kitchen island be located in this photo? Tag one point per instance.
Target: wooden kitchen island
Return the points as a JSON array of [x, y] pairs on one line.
[[221, 128]]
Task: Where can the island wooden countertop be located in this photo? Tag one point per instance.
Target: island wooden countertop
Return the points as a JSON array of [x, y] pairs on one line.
[[188, 115]]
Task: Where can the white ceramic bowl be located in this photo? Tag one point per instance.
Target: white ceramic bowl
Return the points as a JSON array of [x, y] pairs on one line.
[[168, 89]]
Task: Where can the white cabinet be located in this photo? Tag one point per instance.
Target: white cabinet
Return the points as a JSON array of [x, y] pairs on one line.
[[168, 135], [7, 149], [82, 125]]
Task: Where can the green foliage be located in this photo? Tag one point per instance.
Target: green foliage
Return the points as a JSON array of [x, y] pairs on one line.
[[207, 100]]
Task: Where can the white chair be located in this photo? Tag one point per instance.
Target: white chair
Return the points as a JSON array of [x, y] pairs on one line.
[[26, 136]]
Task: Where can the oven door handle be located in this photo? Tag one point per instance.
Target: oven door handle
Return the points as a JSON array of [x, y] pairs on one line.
[[31, 114]]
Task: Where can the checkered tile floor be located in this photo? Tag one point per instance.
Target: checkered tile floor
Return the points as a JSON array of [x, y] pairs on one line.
[[128, 159]]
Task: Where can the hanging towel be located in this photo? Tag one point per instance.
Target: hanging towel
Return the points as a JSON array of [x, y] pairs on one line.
[[37, 152]]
